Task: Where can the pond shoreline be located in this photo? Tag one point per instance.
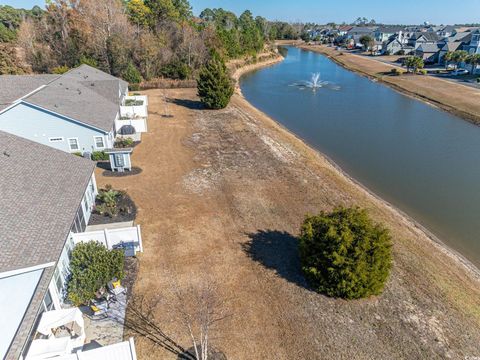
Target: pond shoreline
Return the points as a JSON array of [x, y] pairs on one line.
[[459, 259]]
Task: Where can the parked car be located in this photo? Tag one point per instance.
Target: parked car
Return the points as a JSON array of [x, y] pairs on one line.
[[460, 72]]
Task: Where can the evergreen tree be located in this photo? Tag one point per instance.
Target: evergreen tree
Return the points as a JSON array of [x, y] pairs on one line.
[[132, 75], [214, 85], [344, 254]]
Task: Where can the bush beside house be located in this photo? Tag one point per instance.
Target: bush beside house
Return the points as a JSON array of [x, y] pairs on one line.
[[344, 254], [92, 266]]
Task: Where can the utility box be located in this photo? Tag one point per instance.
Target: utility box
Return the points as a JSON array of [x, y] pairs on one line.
[[120, 159]]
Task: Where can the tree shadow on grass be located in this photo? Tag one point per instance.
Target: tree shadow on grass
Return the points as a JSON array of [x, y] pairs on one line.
[[277, 250], [187, 103]]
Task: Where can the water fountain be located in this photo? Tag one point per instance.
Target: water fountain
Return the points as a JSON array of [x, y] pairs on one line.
[[316, 83]]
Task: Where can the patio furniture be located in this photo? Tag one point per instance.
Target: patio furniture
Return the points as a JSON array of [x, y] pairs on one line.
[[99, 308], [115, 288], [53, 324]]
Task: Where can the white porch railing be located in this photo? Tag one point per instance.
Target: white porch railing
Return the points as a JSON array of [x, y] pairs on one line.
[[129, 239]]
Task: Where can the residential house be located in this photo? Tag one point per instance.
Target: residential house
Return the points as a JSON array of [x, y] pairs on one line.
[[420, 38], [473, 45], [46, 194], [357, 32], [344, 29], [446, 31], [394, 45], [428, 52], [384, 33], [448, 47], [47, 199], [79, 111]]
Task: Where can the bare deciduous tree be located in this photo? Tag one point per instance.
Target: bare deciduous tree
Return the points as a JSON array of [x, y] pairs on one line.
[[200, 309], [196, 307]]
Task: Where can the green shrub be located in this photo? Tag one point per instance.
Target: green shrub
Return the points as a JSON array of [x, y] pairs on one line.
[[92, 266], [88, 61], [478, 80], [100, 156], [423, 72], [176, 70], [214, 85], [134, 87], [60, 69], [78, 153], [124, 143], [344, 254], [132, 75], [108, 199]]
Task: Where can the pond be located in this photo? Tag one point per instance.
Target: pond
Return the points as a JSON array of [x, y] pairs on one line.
[[423, 160]]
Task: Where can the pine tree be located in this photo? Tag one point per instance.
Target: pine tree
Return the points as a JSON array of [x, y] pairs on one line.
[[214, 85], [344, 254]]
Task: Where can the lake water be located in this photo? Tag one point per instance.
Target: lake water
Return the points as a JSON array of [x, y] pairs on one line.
[[421, 159]]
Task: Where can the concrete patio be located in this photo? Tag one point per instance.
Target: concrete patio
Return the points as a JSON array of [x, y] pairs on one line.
[[106, 330]]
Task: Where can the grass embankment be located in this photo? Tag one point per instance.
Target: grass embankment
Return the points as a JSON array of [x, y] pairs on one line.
[[457, 99], [222, 195]]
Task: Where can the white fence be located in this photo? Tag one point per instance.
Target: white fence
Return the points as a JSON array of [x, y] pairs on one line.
[[140, 124], [129, 239]]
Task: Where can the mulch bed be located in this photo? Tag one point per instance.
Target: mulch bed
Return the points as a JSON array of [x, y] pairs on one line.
[[127, 212], [131, 271], [135, 171]]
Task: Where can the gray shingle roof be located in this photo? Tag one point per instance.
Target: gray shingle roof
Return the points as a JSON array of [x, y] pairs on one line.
[[13, 87], [428, 35], [428, 48], [85, 94], [41, 189]]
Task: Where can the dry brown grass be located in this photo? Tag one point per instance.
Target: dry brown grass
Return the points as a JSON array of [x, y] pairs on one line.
[[223, 193]]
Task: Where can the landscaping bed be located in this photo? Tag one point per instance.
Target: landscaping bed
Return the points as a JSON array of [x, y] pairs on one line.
[[112, 206], [109, 173]]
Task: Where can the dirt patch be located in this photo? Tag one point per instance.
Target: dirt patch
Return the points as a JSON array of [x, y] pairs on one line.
[[223, 194]]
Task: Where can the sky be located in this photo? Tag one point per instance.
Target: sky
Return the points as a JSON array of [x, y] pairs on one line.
[[323, 11]]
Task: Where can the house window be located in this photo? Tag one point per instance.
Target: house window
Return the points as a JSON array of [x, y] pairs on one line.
[[55, 139], [99, 142], [73, 144]]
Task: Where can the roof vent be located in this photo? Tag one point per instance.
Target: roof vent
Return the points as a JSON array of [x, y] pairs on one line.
[[6, 154]]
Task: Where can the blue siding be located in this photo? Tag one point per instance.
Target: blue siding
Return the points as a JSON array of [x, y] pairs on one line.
[[38, 125]]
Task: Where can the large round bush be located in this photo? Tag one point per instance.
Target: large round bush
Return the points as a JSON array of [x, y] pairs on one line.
[[344, 254]]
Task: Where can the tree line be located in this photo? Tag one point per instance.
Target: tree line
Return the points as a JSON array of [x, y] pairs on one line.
[[133, 39]]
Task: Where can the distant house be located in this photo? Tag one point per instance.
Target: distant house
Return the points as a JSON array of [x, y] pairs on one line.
[[421, 38], [357, 32], [446, 31], [384, 33], [448, 47], [472, 46], [394, 46], [343, 30], [79, 111], [428, 52]]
